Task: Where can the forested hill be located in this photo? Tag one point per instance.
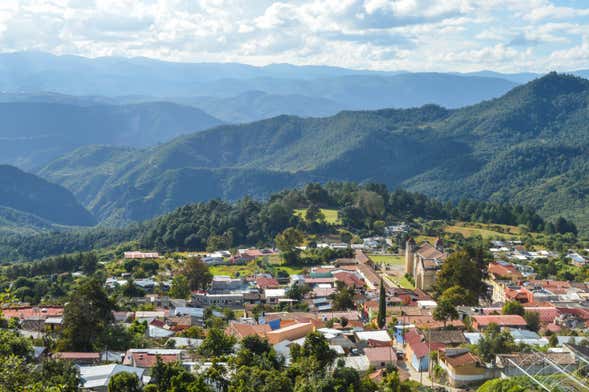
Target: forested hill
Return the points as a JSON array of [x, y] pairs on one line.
[[26, 200], [361, 209], [35, 132], [528, 146]]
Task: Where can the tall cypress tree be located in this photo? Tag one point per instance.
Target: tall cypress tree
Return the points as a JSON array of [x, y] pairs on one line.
[[382, 306]]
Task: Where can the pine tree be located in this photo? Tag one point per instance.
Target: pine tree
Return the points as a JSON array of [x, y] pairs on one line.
[[382, 306]]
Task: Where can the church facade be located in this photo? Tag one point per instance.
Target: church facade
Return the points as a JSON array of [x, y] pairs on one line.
[[423, 262]]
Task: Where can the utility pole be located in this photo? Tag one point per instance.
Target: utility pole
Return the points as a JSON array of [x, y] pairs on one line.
[[429, 340]]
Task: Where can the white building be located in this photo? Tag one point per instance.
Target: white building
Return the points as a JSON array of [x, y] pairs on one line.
[[96, 378]]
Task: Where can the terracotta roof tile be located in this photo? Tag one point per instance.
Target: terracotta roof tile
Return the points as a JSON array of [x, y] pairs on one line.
[[501, 320], [380, 354], [504, 270], [267, 283], [428, 251], [32, 311], [462, 359], [76, 355]]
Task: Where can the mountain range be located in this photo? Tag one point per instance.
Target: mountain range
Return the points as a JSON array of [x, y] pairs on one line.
[[528, 146], [118, 76], [256, 99], [29, 202], [35, 130], [140, 102]]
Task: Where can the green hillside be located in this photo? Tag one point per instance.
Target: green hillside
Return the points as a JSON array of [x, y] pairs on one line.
[[28, 202], [529, 146]]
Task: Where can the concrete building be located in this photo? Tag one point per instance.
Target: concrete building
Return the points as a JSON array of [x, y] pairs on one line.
[[96, 378]]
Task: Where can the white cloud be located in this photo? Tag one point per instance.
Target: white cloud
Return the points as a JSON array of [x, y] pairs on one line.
[[550, 11], [438, 35]]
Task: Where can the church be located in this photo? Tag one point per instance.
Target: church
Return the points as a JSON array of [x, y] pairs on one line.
[[424, 261]]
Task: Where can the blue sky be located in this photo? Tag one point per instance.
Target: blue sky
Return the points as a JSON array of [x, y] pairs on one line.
[[414, 35]]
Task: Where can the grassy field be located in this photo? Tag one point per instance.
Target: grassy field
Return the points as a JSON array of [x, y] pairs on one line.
[[330, 215], [400, 281], [291, 270], [388, 259], [423, 238], [403, 282], [484, 230], [274, 259], [253, 268], [232, 270]]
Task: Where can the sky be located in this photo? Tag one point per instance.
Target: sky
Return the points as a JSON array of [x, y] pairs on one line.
[[412, 35]]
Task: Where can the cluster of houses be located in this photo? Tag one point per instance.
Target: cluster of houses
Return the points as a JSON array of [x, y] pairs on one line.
[[411, 337], [264, 289], [515, 251]]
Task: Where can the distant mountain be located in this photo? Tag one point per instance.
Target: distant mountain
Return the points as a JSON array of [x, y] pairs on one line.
[[243, 100], [34, 132], [49, 97], [33, 72], [112, 76], [521, 77], [27, 201], [529, 146], [115, 77], [257, 105]]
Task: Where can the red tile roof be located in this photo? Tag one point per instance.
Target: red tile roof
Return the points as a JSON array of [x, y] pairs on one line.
[[462, 359], [547, 313], [368, 272], [349, 279], [253, 253], [553, 328], [520, 294], [361, 257], [240, 330], [427, 321], [379, 343], [146, 360], [554, 286], [32, 311], [428, 251], [583, 314], [412, 336], [381, 354], [76, 355], [157, 323], [267, 283], [504, 270], [505, 320], [421, 349], [421, 295]]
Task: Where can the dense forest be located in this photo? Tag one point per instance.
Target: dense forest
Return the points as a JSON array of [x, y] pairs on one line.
[[527, 147], [362, 209], [26, 199]]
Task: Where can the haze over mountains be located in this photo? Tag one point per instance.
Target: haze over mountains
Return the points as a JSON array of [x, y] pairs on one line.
[[135, 138], [26, 201], [54, 104], [33, 133], [529, 146]]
